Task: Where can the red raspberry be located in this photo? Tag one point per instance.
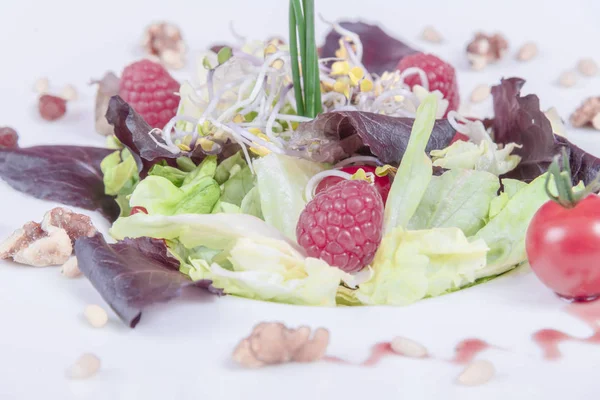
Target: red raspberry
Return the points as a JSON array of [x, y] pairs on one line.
[[150, 90], [343, 225], [8, 138], [440, 74], [382, 183], [52, 107]]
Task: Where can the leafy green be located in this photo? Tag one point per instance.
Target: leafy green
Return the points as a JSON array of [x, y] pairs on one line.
[[458, 198], [411, 265], [281, 181], [251, 203], [174, 175], [197, 194], [505, 232], [225, 167], [238, 186], [414, 172], [511, 187], [120, 173]]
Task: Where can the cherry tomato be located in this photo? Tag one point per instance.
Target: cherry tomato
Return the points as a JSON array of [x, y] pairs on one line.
[[563, 247], [383, 184]]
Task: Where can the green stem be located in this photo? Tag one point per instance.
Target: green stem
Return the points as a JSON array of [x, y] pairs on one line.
[[312, 83], [294, 61]]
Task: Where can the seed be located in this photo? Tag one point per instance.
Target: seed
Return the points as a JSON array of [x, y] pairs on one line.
[[96, 316], [86, 366], [587, 67], [567, 79], [596, 122], [69, 93], [476, 373], [70, 269], [527, 52], [480, 93], [41, 85], [431, 35], [408, 348]]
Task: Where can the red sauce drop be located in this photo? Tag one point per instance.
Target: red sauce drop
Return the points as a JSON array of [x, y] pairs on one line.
[[550, 339], [468, 349], [378, 351]]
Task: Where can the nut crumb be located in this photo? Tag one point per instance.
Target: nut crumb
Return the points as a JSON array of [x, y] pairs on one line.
[[477, 373], [41, 85], [164, 41], [86, 366], [95, 315], [486, 49], [587, 67], [108, 86], [527, 52], [70, 269], [69, 93], [567, 79], [480, 93], [586, 112], [408, 348], [430, 34], [274, 343], [48, 243], [596, 122]]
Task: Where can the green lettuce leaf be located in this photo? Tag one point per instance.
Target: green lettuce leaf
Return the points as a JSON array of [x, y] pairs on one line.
[[511, 187], [459, 198], [281, 181], [174, 175], [505, 232], [229, 166], [411, 265], [251, 203], [414, 172], [238, 186], [120, 173], [198, 193]]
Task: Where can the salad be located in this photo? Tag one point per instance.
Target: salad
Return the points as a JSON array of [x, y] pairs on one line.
[[335, 176]]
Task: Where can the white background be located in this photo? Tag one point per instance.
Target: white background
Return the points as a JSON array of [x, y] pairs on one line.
[[182, 350]]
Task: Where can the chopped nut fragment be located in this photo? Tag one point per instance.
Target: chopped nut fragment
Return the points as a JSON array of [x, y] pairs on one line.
[[69, 93], [86, 366], [586, 112], [48, 243], [431, 35], [567, 79], [477, 373], [485, 49], [95, 315], [164, 40], [480, 93], [527, 52], [108, 86], [408, 348], [274, 343], [587, 67], [70, 269], [596, 122], [76, 225], [41, 85]]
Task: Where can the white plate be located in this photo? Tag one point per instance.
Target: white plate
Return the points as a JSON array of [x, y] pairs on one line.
[[182, 350]]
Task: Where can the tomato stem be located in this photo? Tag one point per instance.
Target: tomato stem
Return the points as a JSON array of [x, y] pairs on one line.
[[566, 197]]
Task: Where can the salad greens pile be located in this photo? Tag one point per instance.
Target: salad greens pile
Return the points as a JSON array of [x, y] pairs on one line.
[[213, 199]]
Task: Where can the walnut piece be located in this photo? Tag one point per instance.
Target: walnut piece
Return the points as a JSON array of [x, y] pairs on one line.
[[108, 86], [164, 40], [485, 49], [274, 343], [48, 243], [586, 112]]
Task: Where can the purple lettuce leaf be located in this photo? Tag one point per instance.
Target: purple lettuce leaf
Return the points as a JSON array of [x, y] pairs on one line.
[[133, 132], [519, 119], [381, 52], [69, 175], [337, 135], [132, 274]]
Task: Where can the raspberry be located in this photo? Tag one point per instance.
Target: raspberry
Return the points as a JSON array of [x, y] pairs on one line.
[[382, 183], [52, 107], [342, 225], [150, 90], [440, 74], [8, 138]]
